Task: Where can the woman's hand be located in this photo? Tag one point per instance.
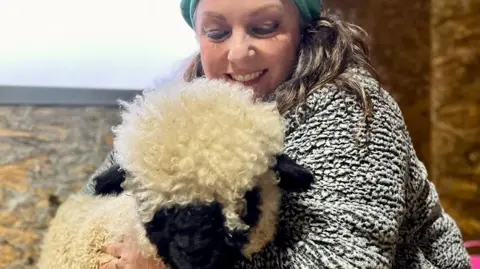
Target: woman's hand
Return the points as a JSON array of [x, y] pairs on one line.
[[127, 256]]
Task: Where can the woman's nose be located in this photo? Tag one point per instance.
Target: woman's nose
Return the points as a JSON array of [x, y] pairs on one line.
[[239, 49]]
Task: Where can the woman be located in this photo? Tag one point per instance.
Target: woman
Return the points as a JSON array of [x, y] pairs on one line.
[[372, 205]]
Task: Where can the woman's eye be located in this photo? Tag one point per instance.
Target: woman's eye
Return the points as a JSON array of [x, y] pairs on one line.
[[265, 29], [216, 35]]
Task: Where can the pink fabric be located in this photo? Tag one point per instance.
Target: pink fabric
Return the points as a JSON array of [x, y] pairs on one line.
[[474, 259]]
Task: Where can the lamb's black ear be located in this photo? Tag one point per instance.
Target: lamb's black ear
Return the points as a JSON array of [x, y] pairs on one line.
[[109, 182], [293, 177], [192, 237]]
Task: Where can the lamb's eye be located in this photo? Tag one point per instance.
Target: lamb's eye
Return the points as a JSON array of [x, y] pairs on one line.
[[244, 210], [253, 202]]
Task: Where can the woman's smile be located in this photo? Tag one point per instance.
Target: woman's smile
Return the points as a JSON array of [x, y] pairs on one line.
[[247, 79]]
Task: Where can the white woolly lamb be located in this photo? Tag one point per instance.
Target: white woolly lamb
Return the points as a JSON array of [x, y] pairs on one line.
[[200, 168]]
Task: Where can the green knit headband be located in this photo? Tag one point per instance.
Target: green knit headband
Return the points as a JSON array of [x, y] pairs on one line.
[[309, 9]]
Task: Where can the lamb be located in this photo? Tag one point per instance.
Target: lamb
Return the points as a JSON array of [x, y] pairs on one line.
[[198, 181]]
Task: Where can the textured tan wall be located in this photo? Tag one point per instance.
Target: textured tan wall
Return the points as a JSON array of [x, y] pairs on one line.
[[45, 154], [455, 108], [399, 33]]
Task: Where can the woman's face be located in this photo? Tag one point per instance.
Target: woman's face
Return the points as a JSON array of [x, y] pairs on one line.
[[252, 42]]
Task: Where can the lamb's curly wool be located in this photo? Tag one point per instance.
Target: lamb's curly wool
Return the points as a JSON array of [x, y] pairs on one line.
[[202, 141], [83, 225]]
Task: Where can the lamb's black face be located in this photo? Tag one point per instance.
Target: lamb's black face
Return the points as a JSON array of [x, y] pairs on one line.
[[192, 237], [196, 237]]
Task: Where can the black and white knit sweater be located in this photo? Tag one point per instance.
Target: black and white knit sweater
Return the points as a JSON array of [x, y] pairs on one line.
[[372, 205]]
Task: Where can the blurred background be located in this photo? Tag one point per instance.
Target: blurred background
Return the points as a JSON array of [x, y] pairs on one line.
[[63, 65]]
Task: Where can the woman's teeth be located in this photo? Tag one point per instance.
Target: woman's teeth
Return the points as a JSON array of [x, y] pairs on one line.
[[248, 77]]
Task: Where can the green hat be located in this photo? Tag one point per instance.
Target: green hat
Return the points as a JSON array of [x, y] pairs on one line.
[[309, 9]]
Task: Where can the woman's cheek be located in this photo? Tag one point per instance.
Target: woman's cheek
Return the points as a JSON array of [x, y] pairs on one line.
[[211, 57]]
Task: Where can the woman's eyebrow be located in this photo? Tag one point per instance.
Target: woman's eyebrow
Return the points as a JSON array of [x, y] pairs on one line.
[[215, 15], [270, 7]]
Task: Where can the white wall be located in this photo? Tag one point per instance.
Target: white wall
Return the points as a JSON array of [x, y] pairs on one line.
[[120, 44]]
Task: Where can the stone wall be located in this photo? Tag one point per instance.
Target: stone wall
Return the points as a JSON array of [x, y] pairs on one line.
[[45, 154]]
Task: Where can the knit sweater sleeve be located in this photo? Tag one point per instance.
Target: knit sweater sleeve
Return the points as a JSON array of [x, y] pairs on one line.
[[365, 192], [429, 237]]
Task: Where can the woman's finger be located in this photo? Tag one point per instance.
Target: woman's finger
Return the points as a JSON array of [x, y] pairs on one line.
[[113, 264], [114, 249]]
